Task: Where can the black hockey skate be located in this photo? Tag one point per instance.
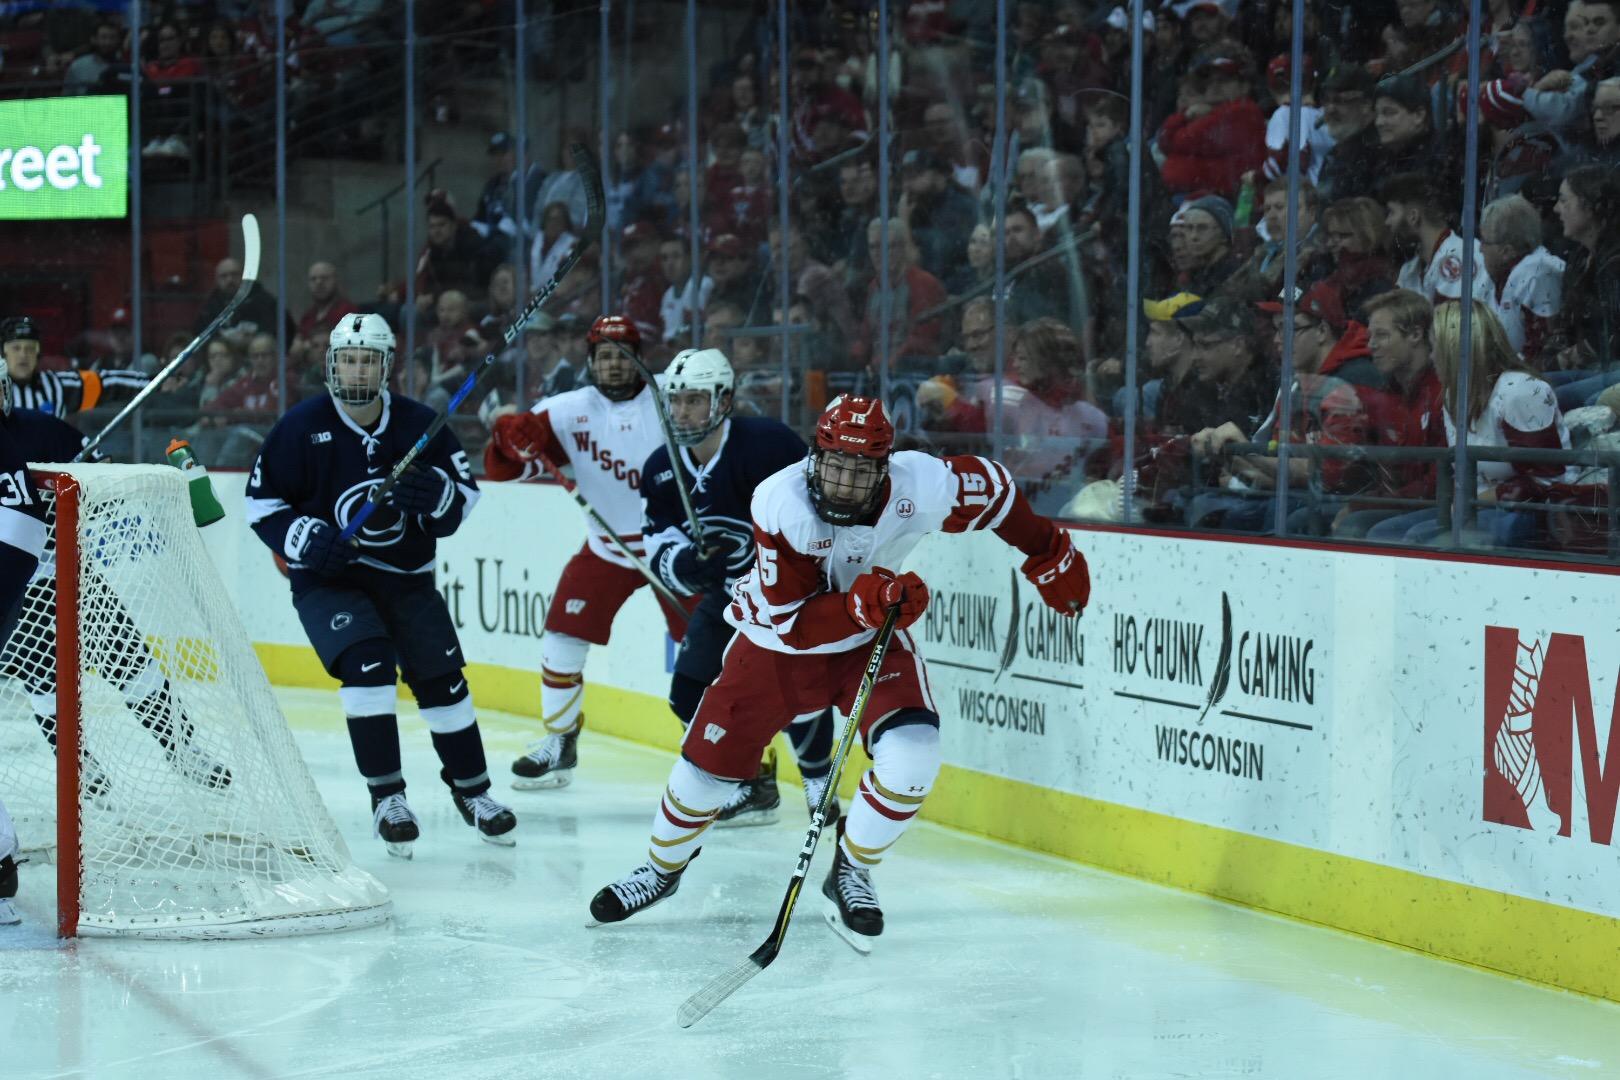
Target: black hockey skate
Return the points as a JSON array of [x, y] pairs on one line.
[[755, 802], [852, 905], [646, 886], [8, 889], [493, 821], [813, 787], [549, 763], [392, 820]]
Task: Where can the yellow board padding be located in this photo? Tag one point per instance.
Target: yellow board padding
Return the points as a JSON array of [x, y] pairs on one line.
[[1529, 939]]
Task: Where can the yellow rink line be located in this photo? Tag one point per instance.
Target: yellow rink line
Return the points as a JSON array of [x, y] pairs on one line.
[[1530, 939]]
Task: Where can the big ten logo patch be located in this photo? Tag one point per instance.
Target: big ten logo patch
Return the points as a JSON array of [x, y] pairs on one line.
[[604, 459], [1551, 760]]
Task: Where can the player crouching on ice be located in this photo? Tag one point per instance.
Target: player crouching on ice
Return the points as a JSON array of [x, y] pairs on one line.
[[371, 603], [806, 616]]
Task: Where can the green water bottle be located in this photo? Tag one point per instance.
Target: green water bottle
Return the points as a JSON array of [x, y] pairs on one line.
[[205, 508]]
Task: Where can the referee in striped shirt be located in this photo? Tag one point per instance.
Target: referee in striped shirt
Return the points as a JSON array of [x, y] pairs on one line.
[[60, 393]]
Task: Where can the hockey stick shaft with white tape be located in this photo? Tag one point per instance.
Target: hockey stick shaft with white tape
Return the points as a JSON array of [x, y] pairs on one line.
[[596, 203], [250, 274]]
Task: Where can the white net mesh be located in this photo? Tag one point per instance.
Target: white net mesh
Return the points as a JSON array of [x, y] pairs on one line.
[[198, 815]]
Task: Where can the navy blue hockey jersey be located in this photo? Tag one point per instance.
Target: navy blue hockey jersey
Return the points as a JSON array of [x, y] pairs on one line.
[[45, 438], [317, 464], [22, 518], [721, 491]]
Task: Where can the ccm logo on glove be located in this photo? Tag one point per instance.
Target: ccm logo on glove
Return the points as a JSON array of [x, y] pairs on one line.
[[872, 594]]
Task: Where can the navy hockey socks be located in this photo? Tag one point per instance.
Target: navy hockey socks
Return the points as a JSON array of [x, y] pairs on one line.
[[812, 741], [376, 752], [463, 755]]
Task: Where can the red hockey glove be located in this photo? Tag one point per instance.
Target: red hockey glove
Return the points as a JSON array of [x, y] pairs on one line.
[[872, 594], [519, 436], [1060, 575]]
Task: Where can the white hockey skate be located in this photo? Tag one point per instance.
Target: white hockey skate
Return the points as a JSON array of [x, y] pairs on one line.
[[393, 821], [548, 763]]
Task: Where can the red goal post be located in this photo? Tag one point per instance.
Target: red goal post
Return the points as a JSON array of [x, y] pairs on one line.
[[161, 776]]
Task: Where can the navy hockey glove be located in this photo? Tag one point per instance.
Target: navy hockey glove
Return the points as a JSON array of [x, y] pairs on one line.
[[316, 545], [421, 490], [699, 573]]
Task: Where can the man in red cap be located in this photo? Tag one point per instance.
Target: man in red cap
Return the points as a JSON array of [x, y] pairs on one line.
[[825, 532]]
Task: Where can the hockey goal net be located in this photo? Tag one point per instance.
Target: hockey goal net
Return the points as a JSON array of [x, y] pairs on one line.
[[159, 769]]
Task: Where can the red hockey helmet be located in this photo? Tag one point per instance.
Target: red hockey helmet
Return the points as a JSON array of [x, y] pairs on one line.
[[847, 468], [617, 377]]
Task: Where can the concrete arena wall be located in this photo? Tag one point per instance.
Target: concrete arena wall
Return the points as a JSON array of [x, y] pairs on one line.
[[1341, 737]]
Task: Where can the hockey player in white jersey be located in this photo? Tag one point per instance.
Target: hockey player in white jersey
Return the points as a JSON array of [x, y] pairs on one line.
[[827, 534], [605, 430]]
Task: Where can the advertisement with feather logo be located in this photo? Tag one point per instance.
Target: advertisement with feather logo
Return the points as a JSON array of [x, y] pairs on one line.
[[1213, 697], [1011, 661]]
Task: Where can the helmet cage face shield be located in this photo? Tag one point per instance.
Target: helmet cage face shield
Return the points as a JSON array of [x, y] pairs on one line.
[[682, 402], [614, 372], [356, 374], [696, 377], [845, 488]]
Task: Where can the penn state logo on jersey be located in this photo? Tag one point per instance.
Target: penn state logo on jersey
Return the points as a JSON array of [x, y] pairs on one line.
[[737, 537], [384, 528]]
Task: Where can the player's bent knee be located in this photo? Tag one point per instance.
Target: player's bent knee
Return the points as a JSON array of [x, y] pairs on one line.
[[445, 703], [685, 693], [563, 653], [907, 758], [697, 788], [368, 700], [367, 663]]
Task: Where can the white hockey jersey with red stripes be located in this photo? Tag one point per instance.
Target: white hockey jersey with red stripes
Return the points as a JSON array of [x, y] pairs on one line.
[[792, 599], [607, 443]]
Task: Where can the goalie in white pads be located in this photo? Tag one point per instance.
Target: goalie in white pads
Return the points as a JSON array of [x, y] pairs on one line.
[[371, 604], [826, 533], [605, 430]]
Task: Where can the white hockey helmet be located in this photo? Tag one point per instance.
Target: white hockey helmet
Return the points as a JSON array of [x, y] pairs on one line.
[[707, 371], [359, 331]]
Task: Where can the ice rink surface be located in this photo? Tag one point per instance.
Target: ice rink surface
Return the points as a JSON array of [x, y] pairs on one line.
[[995, 963]]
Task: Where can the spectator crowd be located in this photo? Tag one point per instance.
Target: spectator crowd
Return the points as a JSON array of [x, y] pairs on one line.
[[891, 254]]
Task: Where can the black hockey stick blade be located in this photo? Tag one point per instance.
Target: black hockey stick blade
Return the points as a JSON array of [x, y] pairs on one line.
[[596, 208], [723, 986]]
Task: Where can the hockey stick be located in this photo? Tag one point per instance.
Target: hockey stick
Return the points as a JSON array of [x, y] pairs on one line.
[[640, 564], [250, 274], [701, 1003], [596, 204], [674, 454]]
